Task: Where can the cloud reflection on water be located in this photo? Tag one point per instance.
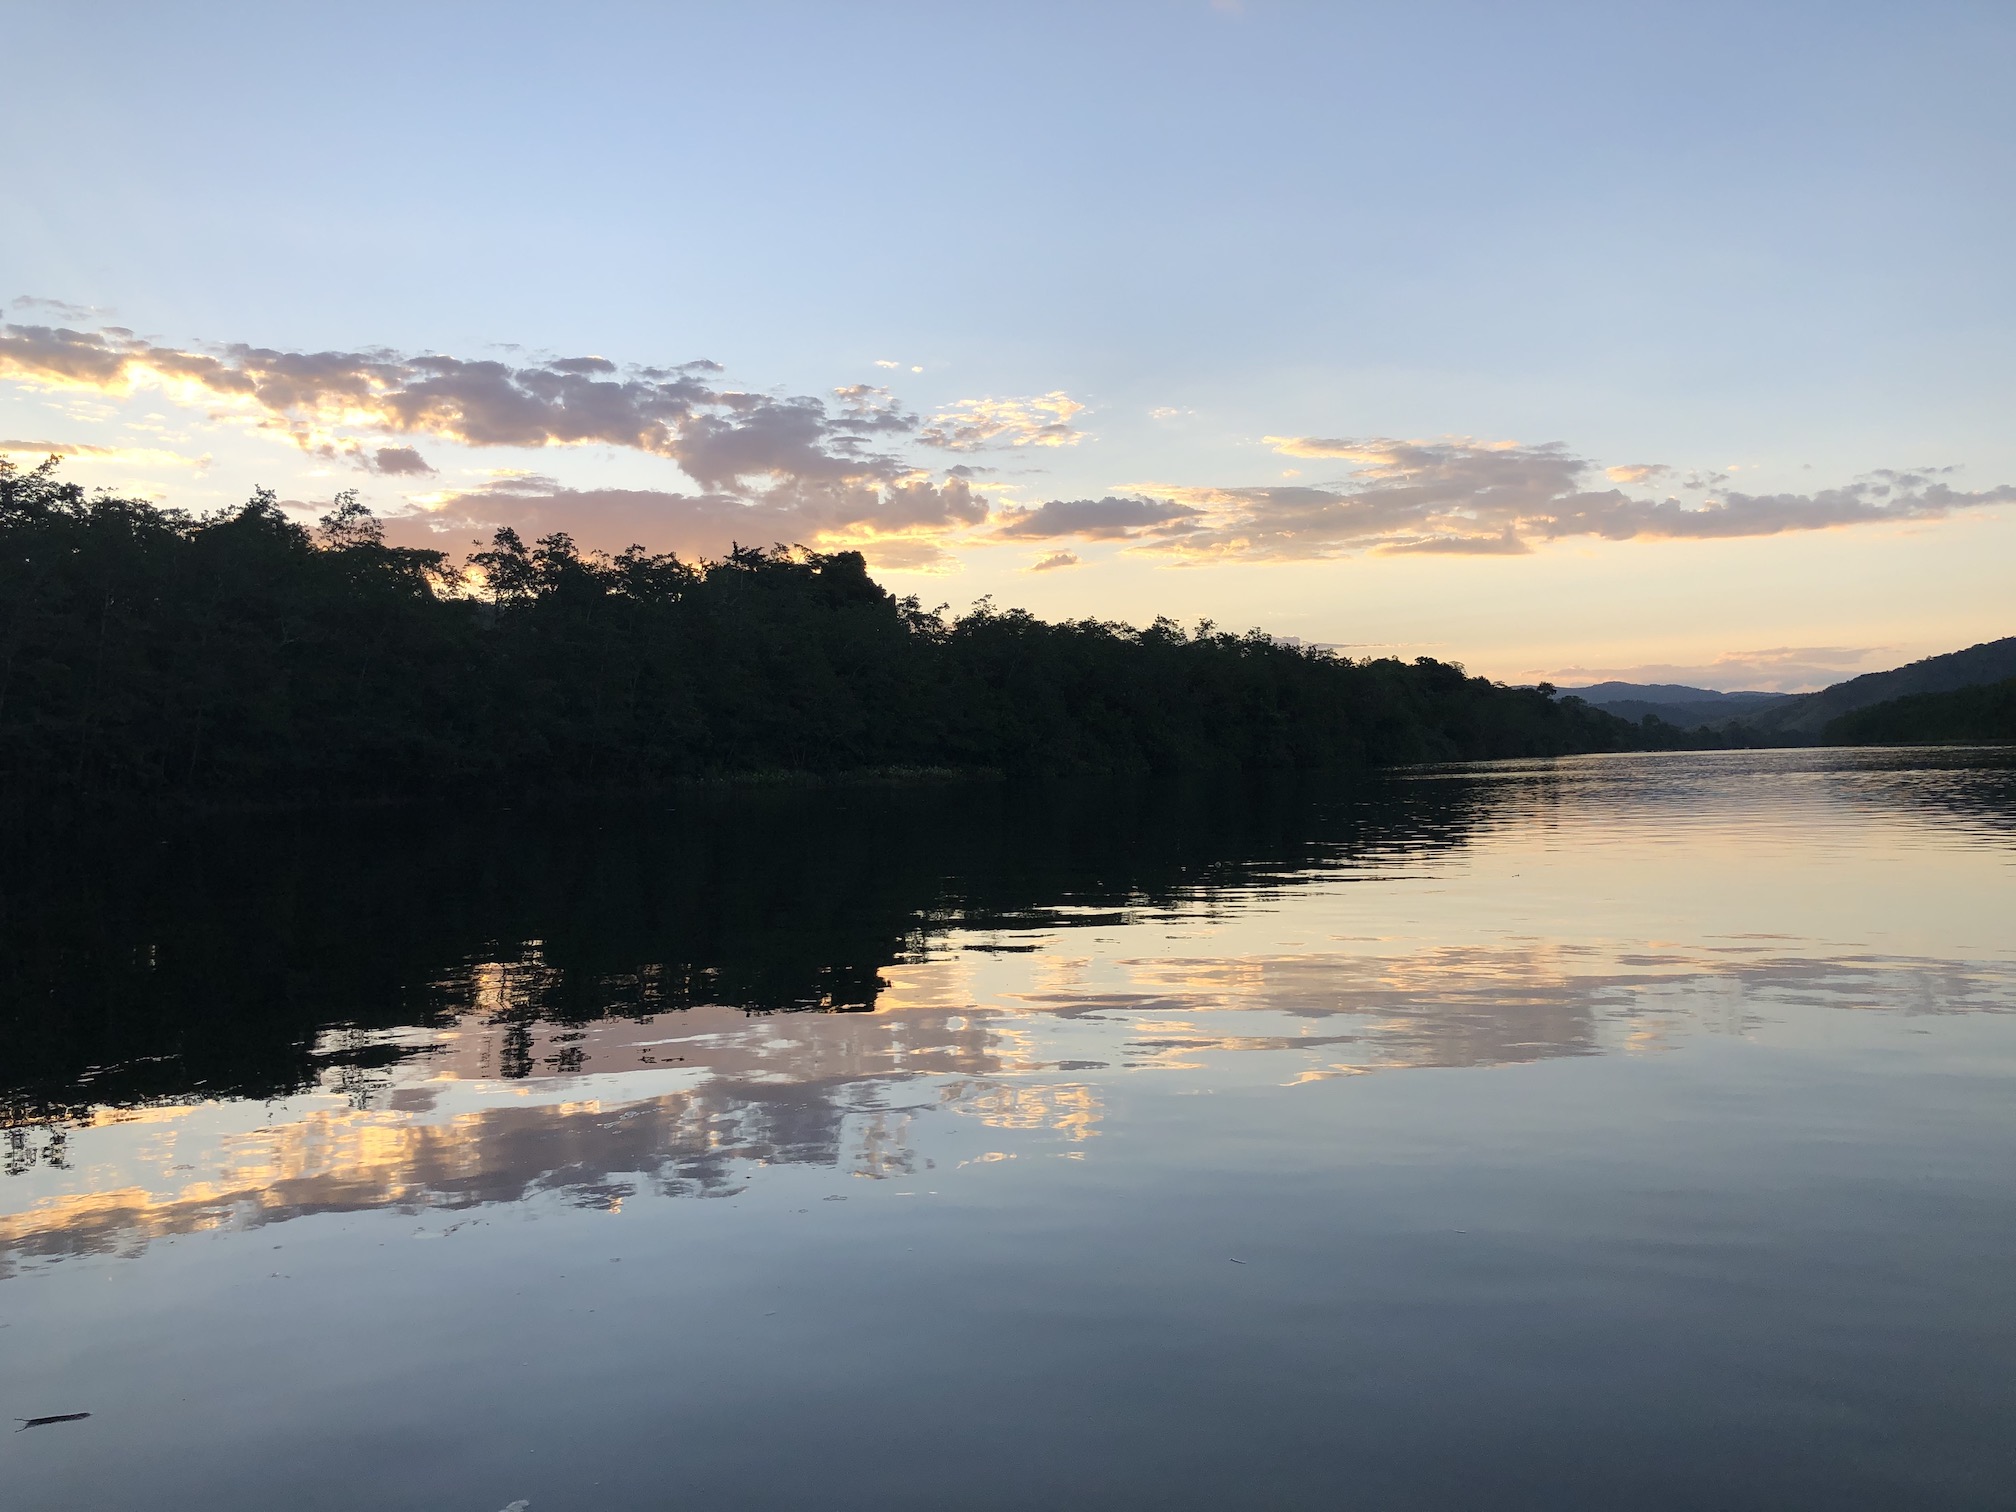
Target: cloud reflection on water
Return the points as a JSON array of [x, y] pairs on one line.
[[824, 983], [699, 1101]]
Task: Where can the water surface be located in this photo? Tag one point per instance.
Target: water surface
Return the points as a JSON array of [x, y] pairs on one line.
[[1621, 1131]]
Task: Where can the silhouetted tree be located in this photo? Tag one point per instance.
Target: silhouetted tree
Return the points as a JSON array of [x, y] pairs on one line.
[[148, 653]]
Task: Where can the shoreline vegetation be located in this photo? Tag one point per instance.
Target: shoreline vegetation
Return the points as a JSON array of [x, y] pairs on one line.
[[240, 659], [1981, 715]]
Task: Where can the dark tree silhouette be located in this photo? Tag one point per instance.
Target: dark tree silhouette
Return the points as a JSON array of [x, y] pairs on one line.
[[1979, 715], [241, 657]]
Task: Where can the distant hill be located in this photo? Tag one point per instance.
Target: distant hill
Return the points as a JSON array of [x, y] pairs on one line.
[[1612, 692], [1984, 713], [1808, 715], [1677, 704], [1799, 718]]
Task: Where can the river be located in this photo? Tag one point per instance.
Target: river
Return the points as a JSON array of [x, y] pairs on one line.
[[1628, 1131]]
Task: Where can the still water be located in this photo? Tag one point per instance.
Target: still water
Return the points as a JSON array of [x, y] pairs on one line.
[[1610, 1132]]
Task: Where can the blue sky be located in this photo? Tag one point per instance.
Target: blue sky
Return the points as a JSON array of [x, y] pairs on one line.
[[1363, 323]]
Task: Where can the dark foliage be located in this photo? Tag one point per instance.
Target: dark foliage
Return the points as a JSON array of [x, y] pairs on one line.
[[1985, 714], [1802, 720], [239, 657], [1656, 734]]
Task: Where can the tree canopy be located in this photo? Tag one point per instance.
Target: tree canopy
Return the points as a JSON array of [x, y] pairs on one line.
[[1985, 714], [240, 656]]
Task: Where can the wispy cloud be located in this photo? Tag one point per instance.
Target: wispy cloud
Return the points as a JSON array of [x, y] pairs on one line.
[[1107, 519], [476, 403], [1637, 472], [56, 449], [149, 456], [1462, 497], [801, 468], [723, 438], [1054, 561], [849, 465], [973, 424], [62, 309], [898, 526]]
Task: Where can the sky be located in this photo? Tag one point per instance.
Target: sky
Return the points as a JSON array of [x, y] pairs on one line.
[[1657, 342]]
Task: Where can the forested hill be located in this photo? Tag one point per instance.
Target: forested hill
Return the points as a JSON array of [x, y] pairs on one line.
[[239, 657], [1812, 713], [1984, 714]]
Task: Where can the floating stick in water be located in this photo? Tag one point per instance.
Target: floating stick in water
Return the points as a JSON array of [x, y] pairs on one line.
[[61, 1417]]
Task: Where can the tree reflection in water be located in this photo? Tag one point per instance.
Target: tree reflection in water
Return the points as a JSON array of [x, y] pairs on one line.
[[452, 1012]]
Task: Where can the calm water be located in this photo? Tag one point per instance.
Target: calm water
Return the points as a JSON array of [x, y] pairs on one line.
[[1618, 1132]]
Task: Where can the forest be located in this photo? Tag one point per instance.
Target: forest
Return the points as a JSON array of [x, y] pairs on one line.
[[239, 657], [1984, 714]]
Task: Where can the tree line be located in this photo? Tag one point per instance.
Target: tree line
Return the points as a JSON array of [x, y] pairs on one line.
[[239, 656]]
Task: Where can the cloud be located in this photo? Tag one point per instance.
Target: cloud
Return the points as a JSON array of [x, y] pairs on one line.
[[1462, 497], [1636, 472], [918, 503], [866, 409], [841, 468], [757, 439], [139, 455], [1107, 519], [824, 471], [1055, 560], [726, 440], [477, 403], [1318, 446], [1505, 544], [894, 526], [399, 462], [56, 449], [906, 554], [972, 424], [62, 309]]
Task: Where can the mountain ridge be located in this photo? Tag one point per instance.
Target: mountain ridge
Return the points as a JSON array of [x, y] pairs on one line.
[[1676, 703], [1613, 692], [1803, 716], [1809, 713]]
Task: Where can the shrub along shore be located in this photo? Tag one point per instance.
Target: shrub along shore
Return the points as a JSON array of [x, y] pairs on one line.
[[239, 657]]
